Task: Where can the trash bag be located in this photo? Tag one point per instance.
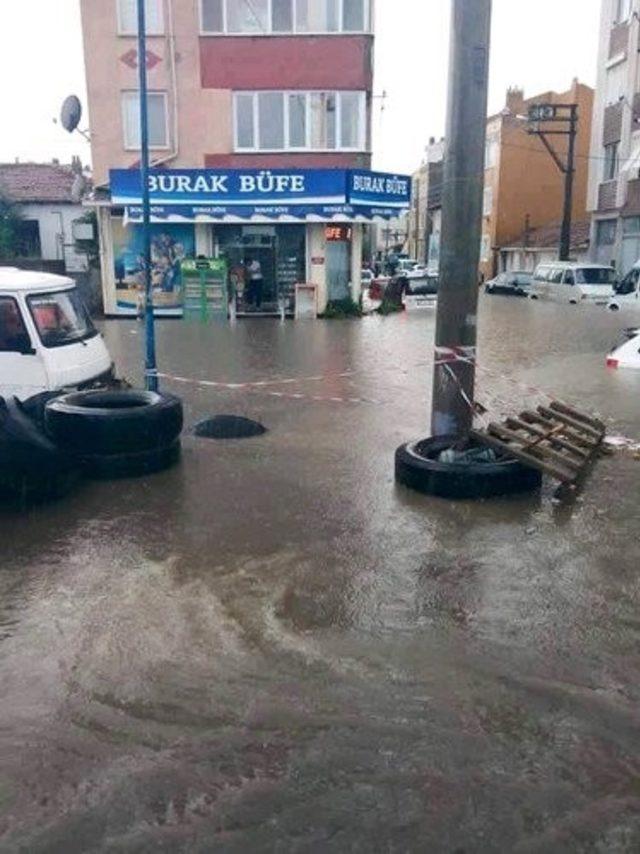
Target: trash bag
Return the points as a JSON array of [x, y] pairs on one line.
[[32, 467]]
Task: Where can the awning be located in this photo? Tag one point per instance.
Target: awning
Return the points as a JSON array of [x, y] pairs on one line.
[[258, 214]]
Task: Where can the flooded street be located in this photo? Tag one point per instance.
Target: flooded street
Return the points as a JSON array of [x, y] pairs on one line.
[[273, 647]]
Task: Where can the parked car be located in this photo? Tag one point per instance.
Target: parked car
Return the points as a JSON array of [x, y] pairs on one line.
[[626, 353], [569, 282], [513, 283], [47, 340], [627, 291]]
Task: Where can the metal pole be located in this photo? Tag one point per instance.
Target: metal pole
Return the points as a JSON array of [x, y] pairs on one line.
[[454, 370], [150, 369], [565, 238]]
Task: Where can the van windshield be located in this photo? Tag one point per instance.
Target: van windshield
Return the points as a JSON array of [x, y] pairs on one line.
[[595, 276], [61, 318]]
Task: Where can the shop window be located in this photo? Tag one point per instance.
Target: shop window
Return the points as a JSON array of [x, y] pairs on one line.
[[158, 120], [317, 121], [128, 17], [267, 17]]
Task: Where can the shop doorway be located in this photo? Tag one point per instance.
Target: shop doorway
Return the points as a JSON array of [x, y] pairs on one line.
[[280, 252], [338, 261]]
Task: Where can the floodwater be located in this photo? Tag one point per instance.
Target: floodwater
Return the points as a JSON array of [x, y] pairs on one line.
[[273, 647]]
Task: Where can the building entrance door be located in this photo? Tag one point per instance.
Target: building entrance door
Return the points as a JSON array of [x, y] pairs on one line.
[[338, 261]]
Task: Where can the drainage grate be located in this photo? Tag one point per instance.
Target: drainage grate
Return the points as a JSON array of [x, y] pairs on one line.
[[229, 427]]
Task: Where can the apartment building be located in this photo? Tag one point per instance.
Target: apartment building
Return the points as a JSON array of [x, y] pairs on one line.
[[260, 133], [523, 187], [614, 176]]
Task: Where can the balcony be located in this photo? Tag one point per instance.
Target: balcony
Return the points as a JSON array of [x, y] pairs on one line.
[[608, 196], [632, 205], [619, 40]]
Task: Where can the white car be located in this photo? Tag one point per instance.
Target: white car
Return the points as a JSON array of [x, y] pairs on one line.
[[626, 354], [627, 291], [47, 339], [571, 282]]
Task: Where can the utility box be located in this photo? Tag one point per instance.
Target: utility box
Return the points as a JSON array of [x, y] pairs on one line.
[[205, 290], [306, 301]]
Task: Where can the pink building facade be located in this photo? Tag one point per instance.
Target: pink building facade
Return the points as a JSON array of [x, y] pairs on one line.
[[278, 86]]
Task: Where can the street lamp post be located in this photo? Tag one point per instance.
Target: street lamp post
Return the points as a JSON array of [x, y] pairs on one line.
[[150, 369], [454, 370]]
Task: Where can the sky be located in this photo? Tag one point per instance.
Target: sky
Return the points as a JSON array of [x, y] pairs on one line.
[[538, 45]]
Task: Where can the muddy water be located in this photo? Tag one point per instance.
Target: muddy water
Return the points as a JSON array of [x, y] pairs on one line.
[[274, 648]]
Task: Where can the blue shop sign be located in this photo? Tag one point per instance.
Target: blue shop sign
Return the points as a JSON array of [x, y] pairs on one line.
[[245, 188], [379, 188], [231, 186]]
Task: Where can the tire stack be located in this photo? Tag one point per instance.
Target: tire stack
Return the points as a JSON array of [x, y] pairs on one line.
[[116, 434]]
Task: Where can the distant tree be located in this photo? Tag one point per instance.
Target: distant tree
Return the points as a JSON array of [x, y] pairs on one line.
[[10, 220]]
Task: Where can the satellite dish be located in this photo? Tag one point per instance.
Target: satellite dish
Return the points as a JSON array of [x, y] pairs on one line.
[[71, 113]]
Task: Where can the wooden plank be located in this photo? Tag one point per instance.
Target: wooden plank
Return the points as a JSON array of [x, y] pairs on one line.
[[578, 439], [589, 432], [565, 409], [538, 451], [558, 441], [533, 462]]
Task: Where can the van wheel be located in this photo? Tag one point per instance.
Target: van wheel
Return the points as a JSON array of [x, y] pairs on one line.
[[108, 423], [573, 302], [614, 308]]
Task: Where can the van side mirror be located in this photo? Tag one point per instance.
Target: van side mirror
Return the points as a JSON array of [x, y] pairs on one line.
[[23, 345]]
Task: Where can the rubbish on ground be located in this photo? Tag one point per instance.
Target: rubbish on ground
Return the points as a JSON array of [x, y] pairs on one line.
[[626, 354], [468, 456], [557, 440]]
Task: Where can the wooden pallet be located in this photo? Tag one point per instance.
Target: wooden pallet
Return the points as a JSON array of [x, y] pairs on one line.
[[558, 440]]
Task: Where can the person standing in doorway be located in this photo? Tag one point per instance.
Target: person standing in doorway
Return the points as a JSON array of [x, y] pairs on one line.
[[254, 270]]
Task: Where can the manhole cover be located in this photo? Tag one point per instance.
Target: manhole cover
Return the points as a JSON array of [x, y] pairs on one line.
[[229, 427]]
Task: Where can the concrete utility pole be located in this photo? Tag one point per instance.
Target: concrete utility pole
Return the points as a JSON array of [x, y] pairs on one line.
[[150, 368], [553, 117], [454, 371]]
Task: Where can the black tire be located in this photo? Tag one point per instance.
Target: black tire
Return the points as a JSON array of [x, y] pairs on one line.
[[614, 307], [107, 423], [138, 464], [418, 468]]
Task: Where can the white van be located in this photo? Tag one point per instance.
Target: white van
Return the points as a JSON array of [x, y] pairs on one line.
[[570, 282], [47, 339], [627, 291]]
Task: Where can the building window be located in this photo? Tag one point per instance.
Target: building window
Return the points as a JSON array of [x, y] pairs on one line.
[[487, 202], [286, 121], [271, 17], [128, 17], [622, 11], [490, 152], [485, 250], [630, 225], [606, 232], [611, 161], [158, 120]]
